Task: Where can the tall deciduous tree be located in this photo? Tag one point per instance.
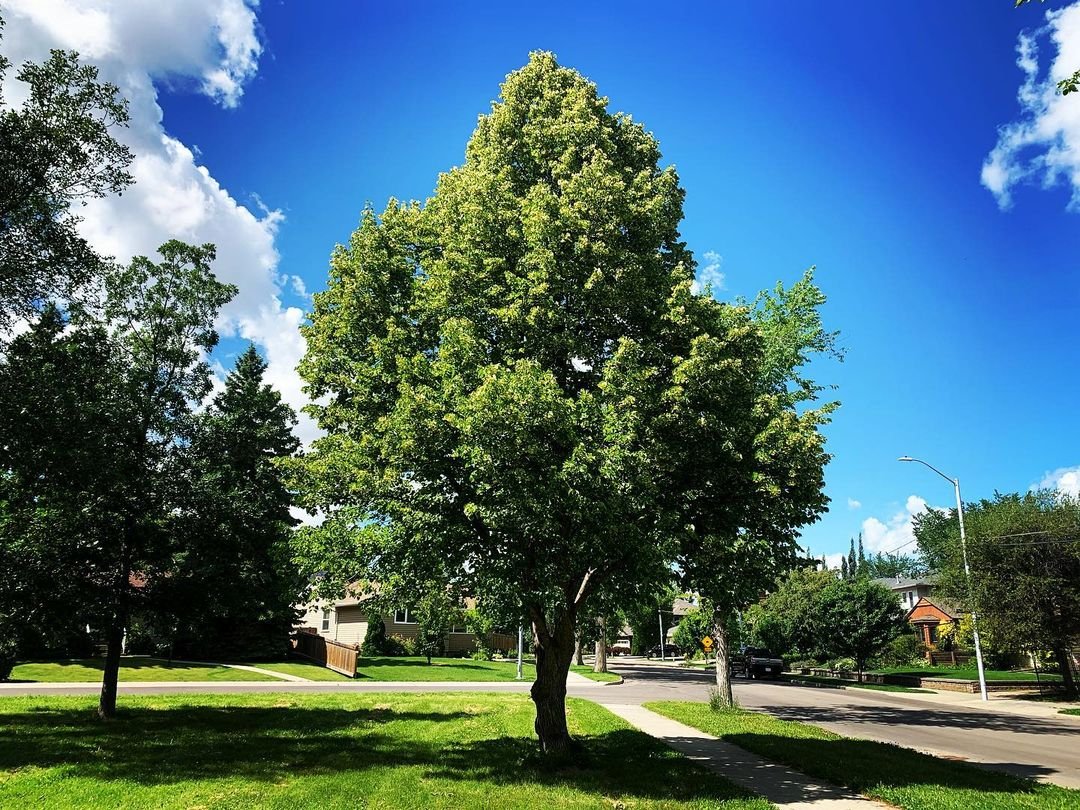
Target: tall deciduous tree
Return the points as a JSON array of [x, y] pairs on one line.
[[746, 448], [94, 461], [160, 318], [856, 618], [786, 621], [1024, 554], [56, 149], [497, 373]]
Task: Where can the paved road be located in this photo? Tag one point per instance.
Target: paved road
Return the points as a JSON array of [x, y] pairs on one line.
[[1045, 748]]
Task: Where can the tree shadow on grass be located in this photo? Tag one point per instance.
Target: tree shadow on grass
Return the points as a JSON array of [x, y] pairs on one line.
[[162, 747], [866, 765], [916, 716]]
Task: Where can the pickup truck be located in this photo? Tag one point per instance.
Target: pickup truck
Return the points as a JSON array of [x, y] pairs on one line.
[[756, 662]]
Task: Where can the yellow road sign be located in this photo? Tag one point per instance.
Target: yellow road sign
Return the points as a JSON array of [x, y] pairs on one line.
[[706, 642]]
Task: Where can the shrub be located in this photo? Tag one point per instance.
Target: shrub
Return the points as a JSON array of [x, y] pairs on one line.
[[904, 649], [398, 645], [7, 657], [482, 653], [846, 664], [375, 637]]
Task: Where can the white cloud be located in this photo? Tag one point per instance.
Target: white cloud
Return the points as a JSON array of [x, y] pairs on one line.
[[1065, 480], [896, 532], [708, 274], [854, 504], [213, 46], [1043, 144], [833, 561]]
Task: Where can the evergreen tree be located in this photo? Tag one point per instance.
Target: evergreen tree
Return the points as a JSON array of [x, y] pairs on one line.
[[234, 585], [844, 568], [852, 561], [860, 562]]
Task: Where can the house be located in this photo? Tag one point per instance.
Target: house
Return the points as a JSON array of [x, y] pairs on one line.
[[927, 616], [669, 618], [908, 591], [346, 620]]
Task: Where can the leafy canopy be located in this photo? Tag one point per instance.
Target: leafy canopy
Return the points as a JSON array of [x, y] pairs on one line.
[[56, 149]]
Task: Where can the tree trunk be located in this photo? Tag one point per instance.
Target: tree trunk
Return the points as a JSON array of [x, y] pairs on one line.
[[723, 677], [577, 651], [1061, 653], [600, 663], [554, 651], [114, 638]]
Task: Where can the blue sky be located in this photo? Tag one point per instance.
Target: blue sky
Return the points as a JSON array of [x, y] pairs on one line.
[[851, 137]]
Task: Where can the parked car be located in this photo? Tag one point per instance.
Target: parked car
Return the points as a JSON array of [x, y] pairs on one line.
[[670, 651], [756, 662], [619, 649]]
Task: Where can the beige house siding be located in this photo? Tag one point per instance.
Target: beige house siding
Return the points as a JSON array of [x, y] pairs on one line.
[[350, 625]]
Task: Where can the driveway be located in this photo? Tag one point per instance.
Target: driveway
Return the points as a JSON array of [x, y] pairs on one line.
[[1045, 748]]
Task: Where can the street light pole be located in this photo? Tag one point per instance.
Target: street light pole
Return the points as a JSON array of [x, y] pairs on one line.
[[967, 572], [660, 616]]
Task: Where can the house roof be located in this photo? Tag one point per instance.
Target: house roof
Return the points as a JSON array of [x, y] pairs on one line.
[[903, 583], [929, 605], [681, 606]]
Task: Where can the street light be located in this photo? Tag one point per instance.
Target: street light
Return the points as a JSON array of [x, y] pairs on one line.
[[967, 571]]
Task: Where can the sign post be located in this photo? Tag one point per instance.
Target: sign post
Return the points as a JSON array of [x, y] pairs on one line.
[[707, 643]]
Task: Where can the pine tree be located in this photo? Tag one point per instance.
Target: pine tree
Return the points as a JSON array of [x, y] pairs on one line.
[[852, 561], [234, 577], [861, 562], [843, 568]]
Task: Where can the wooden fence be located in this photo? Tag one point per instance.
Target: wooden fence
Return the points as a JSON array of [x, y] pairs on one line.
[[939, 658], [331, 654]]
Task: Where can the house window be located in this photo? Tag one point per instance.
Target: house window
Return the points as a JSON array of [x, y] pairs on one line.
[[458, 628], [403, 617], [326, 619]]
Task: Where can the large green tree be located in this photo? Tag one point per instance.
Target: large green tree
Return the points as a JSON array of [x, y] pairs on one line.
[[96, 479], [232, 584], [56, 149], [786, 621], [507, 376], [1024, 555], [59, 427], [744, 445], [856, 618]]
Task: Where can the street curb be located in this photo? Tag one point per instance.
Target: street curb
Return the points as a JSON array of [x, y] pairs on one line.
[[813, 684]]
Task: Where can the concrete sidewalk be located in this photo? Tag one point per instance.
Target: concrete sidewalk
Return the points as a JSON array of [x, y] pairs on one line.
[[779, 784]]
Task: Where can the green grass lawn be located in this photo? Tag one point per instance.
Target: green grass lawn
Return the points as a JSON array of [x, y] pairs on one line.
[[880, 687], [899, 776], [302, 668], [967, 673], [450, 750], [1071, 711], [408, 668], [83, 670], [587, 671]]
